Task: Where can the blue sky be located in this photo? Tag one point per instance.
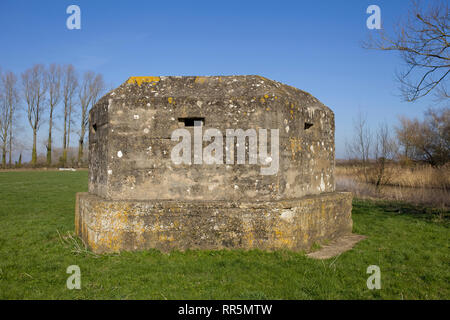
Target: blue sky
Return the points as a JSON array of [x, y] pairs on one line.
[[312, 45]]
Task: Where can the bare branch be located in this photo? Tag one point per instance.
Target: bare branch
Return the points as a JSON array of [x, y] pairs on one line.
[[422, 42]]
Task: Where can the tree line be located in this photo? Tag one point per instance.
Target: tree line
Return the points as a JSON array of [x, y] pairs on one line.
[[42, 92], [412, 140]]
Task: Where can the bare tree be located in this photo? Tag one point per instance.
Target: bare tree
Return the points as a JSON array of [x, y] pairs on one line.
[[385, 150], [4, 115], [9, 83], [34, 90], [90, 89], [437, 128], [4, 130], [53, 78], [427, 140], [360, 147], [69, 86], [422, 41], [405, 131]]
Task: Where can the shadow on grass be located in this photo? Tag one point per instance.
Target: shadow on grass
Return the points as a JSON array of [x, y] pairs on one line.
[[397, 208]]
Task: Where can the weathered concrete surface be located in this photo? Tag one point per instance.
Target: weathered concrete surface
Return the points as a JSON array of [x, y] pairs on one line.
[[131, 127], [138, 198], [114, 225]]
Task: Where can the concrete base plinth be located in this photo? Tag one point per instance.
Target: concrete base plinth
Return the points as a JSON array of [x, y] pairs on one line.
[[115, 225]]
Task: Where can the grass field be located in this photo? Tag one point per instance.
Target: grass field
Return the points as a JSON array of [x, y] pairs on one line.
[[409, 244]]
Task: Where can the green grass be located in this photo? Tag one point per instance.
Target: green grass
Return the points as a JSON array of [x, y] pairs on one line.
[[409, 244]]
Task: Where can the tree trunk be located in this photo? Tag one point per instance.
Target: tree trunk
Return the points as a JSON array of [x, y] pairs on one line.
[[381, 165], [68, 131], [64, 155], [10, 150], [10, 135], [33, 153], [4, 156], [49, 144], [80, 152], [4, 145]]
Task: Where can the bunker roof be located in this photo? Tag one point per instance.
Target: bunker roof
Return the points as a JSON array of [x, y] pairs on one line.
[[211, 88]]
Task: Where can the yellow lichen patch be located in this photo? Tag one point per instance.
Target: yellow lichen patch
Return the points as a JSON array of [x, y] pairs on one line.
[[282, 238], [305, 237], [296, 146], [140, 80], [267, 109], [248, 237], [200, 79], [262, 100], [170, 99], [266, 96]]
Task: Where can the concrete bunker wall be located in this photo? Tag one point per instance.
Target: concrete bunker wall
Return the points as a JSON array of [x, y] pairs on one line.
[[130, 145], [139, 199]]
